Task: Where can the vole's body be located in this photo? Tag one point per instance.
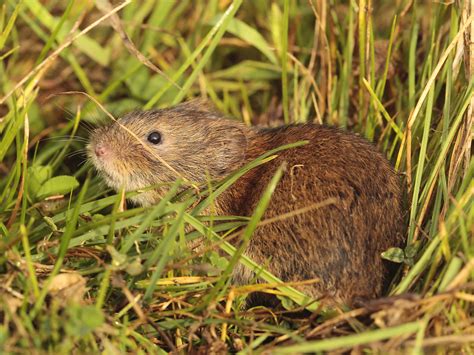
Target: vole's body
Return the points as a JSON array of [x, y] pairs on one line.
[[339, 243]]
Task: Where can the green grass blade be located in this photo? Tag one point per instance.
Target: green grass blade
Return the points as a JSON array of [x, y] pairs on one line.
[[350, 341], [10, 25], [284, 61], [421, 164]]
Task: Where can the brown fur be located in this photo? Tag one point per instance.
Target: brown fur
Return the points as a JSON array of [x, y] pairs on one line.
[[340, 243]]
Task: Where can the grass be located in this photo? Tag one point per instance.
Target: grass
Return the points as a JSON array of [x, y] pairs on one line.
[[81, 272]]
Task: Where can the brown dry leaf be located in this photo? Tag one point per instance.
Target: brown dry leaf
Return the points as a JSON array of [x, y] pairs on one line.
[[68, 287], [13, 303], [401, 311]]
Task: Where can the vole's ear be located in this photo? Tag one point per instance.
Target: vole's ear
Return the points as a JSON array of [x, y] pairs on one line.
[[229, 143]]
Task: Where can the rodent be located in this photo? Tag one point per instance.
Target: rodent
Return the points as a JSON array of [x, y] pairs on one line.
[[340, 243]]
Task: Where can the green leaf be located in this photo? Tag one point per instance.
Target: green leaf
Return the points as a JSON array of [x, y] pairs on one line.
[[118, 259], [248, 70], [58, 185], [412, 249], [287, 302], [369, 336], [218, 261], [83, 320], [397, 255], [38, 175], [249, 35], [134, 267]]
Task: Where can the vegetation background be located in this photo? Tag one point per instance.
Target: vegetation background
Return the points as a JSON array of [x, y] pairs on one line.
[[81, 273]]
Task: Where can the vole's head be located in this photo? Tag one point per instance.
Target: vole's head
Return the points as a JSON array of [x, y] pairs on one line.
[[145, 148]]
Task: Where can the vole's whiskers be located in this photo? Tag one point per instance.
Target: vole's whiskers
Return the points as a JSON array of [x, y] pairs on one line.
[[77, 152], [83, 161], [88, 126], [70, 116], [65, 139]]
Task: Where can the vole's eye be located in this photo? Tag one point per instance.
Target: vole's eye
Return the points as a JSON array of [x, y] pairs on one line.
[[154, 137]]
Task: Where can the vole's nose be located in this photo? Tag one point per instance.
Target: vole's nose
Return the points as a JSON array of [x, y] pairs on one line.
[[100, 150]]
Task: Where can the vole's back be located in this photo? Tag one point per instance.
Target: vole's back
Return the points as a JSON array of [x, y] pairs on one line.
[[339, 243]]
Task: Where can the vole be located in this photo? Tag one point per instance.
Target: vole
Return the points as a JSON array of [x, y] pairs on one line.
[[340, 244]]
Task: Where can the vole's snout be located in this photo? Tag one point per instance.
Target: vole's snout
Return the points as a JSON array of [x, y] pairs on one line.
[[100, 150]]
